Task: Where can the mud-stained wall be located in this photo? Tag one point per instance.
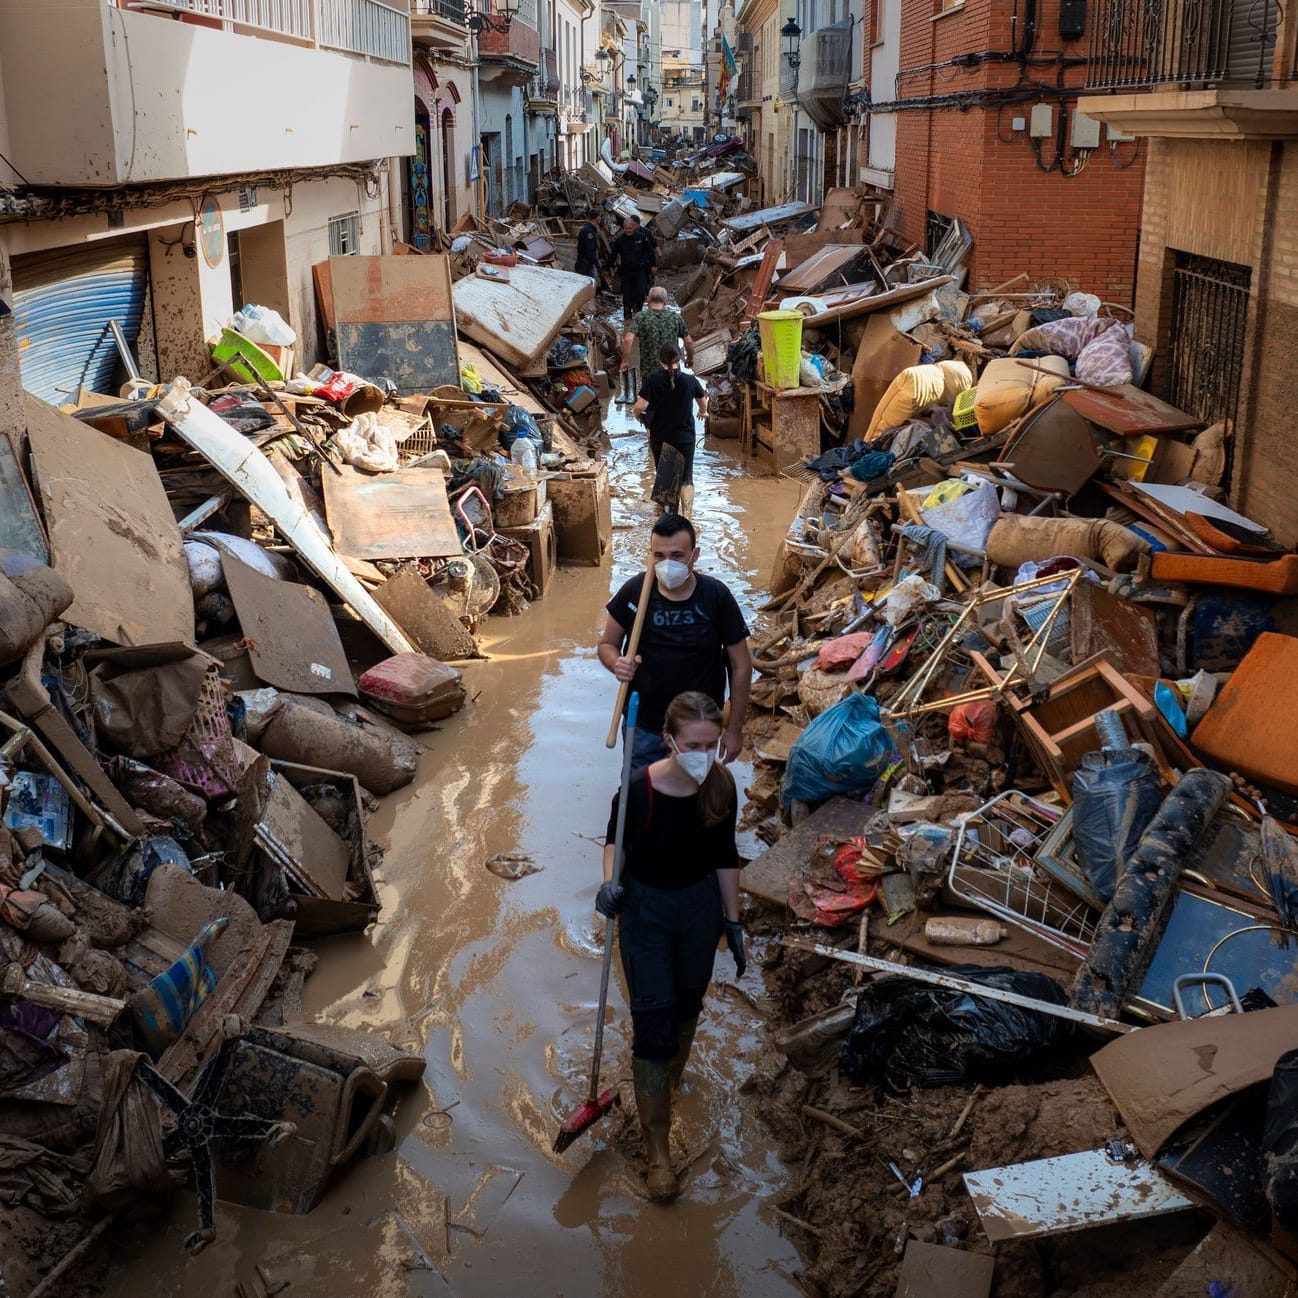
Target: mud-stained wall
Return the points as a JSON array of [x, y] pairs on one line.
[[11, 395]]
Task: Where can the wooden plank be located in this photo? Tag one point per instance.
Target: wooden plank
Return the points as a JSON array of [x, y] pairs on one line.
[[396, 319], [293, 641], [765, 273], [767, 216], [798, 247], [112, 533], [391, 290], [819, 268], [401, 515]]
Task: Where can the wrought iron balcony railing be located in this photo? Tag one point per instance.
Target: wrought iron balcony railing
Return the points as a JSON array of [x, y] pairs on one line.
[[452, 10], [1188, 44]]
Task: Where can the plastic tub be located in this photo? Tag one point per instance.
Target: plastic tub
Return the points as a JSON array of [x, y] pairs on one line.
[[245, 358], [781, 333]]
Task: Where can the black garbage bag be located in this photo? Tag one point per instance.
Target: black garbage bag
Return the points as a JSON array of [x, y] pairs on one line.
[[1280, 1143], [742, 356], [1116, 793], [908, 1033]]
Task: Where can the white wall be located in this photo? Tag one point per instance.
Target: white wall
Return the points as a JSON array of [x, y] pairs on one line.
[[106, 96], [885, 60]]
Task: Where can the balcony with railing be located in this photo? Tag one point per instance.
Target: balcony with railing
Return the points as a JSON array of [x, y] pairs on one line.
[[166, 90], [440, 23], [509, 50], [1197, 68], [366, 27], [747, 89], [543, 95], [823, 74]]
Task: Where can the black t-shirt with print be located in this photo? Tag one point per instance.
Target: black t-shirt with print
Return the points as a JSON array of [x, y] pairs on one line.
[[682, 643], [671, 400], [666, 843]]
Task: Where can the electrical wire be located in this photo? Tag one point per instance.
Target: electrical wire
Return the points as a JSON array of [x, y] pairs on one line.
[[38, 202]]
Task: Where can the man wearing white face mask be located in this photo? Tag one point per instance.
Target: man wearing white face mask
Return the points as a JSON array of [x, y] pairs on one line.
[[694, 638]]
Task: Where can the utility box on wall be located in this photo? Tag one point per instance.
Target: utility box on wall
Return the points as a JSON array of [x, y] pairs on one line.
[[1072, 20]]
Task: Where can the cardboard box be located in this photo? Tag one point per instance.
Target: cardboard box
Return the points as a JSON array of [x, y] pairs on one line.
[[583, 515], [539, 537]]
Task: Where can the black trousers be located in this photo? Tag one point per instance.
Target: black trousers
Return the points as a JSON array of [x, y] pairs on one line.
[[668, 942], [686, 448], [586, 268], [635, 288]]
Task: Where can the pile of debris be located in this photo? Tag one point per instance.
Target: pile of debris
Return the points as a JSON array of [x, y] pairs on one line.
[[1023, 761], [224, 609]]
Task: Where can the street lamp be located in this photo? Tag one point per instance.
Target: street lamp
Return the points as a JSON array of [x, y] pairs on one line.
[[484, 20], [792, 35]]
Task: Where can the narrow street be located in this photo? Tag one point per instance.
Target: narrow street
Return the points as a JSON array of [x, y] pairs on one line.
[[497, 982]]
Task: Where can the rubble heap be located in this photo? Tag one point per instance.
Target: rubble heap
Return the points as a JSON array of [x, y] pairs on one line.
[[227, 608], [1024, 773]]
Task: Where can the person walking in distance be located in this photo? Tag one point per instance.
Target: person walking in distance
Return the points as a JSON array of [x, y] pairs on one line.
[[588, 248], [677, 894], [636, 255], [693, 638], [656, 325], [665, 406]]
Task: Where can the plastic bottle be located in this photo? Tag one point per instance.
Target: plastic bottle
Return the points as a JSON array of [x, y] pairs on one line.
[[956, 930], [523, 453]]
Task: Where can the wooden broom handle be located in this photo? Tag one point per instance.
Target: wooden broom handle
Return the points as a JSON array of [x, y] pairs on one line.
[[623, 687]]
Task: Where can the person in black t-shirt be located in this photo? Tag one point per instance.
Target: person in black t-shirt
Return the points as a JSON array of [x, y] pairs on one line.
[[694, 637], [664, 405], [678, 892]]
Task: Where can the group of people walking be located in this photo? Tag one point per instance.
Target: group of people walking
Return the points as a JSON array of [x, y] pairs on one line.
[[675, 893], [668, 398]]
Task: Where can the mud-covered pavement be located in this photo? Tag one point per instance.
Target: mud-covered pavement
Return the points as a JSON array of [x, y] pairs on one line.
[[496, 982]]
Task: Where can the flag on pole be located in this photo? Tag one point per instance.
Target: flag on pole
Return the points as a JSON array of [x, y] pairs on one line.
[[728, 65]]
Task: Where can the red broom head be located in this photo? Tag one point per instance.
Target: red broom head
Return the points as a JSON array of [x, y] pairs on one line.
[[586, 1116]]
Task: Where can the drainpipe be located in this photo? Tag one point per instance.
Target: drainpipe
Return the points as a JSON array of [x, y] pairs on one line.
[[392, 182], [477, 128]]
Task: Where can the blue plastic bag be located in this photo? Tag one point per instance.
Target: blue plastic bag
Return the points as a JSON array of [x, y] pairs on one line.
[[840, 752]]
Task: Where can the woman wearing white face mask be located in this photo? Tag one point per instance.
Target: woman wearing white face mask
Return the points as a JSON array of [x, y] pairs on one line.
[[679, 893]]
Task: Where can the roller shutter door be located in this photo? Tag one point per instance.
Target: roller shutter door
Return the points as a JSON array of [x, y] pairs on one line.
[[63, 303]]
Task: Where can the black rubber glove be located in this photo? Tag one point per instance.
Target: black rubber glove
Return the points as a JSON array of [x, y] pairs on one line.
[[608, 900], [735, 941]]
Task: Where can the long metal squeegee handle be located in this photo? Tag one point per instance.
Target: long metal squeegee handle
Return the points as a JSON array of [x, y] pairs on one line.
[[618, 839]]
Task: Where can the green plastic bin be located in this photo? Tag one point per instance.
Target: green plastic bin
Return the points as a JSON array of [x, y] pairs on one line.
[[245, 358], [781, 333]]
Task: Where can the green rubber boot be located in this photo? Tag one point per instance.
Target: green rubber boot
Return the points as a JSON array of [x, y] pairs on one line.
[[653, 1102]]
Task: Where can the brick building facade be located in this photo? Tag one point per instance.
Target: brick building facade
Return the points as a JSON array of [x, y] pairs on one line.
[[970, 73], [1217, 285]]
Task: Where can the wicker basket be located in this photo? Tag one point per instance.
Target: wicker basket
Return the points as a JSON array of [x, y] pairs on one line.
[[820, 690]]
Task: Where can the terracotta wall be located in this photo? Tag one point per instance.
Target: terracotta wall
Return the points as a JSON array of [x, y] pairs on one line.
[[969, 163]]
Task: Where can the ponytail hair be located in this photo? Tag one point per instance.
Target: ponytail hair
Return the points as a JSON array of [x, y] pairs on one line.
[[669, 354], [717, 795]]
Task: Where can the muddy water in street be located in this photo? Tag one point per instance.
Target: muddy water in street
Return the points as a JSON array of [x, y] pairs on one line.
[[496, 982]]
